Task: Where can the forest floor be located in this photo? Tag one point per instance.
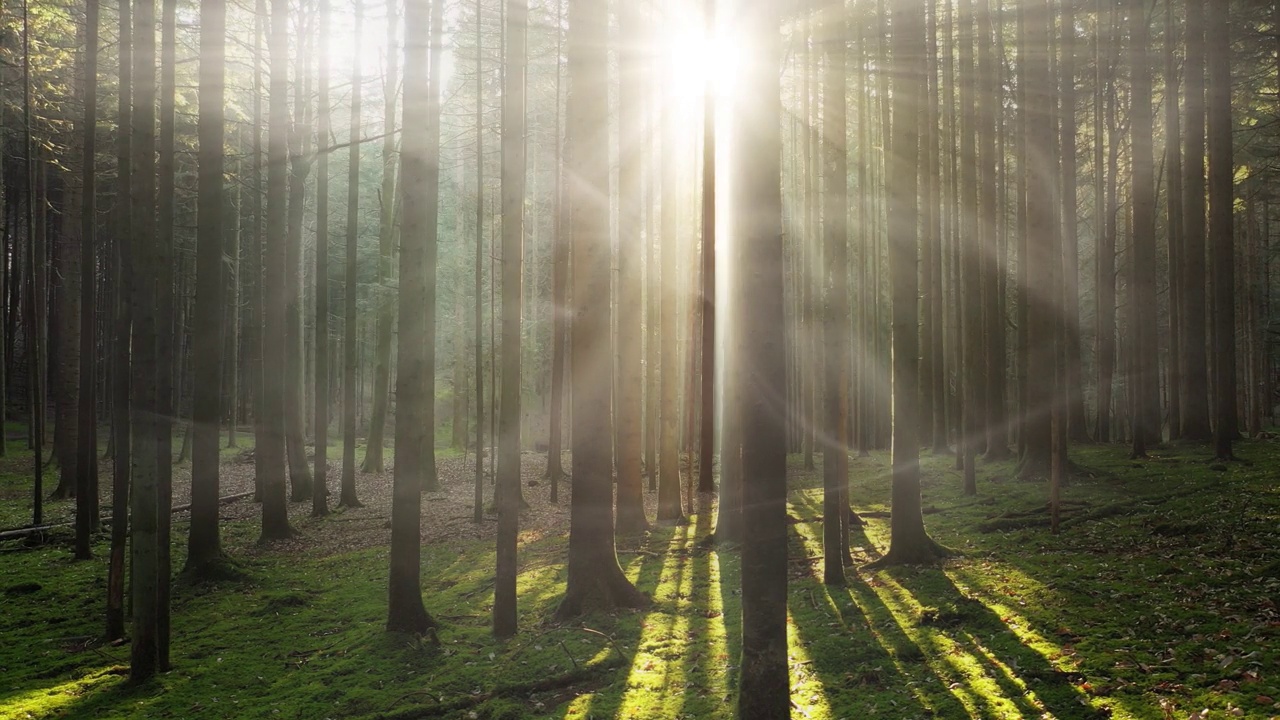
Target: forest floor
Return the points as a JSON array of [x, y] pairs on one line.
[[1157, 600]]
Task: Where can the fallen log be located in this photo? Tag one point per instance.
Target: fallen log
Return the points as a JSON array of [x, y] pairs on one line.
[[20, 533]]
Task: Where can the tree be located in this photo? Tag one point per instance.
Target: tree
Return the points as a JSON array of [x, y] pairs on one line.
[[386, 302], [414, 383], [764, 690], [595, 579], [1142, 298], [350, 348], [87, 417], [120, 392], [204, 548], [144, 652], [1041, 248], [1195, 373], [319, 489], [270, 448], [507, 492], [972, 252], [1077, 427], [835, 330], [295, 376], [669, 509], [1217, 35], [707, 415], [908, 541], [630, 386]]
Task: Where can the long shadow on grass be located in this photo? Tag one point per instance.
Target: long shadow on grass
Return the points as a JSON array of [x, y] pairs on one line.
[[662, 565], [956, 655]]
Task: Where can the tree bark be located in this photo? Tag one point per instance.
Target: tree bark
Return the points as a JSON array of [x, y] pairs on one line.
[[595, 579], [630, 401], [204, 549], [350, 287], [1221, 230], [1195, 372]]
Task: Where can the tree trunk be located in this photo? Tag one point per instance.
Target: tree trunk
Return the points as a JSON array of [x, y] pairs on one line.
[[1042, 252], [1173, 220], [764, 689], [1195, 372], [669, 505], [835, 331], [595, 579], [993, 318], [204, 550], [145, 577], [121, 373], [1142, 290], [373, 462], [295, 352], [270, 449], [350, 287], [630, 410], [415, 382], [319, 488], [507, 491], [1221, 232], [87, 415]]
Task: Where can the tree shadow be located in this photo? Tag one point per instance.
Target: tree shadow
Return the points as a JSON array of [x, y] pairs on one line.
[[908, 638]]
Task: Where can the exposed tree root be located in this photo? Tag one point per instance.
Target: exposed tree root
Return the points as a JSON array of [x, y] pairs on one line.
[[605, 591], [924, 551]]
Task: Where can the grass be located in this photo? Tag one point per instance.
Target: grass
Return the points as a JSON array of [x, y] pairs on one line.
[[1162, 602]]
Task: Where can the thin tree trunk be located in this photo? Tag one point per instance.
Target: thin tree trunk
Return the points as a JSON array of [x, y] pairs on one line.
[[373, 462], [350, 288], [507, 491], [1221, 231]]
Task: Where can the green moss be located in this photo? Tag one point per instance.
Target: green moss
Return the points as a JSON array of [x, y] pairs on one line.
[[1170, 602]]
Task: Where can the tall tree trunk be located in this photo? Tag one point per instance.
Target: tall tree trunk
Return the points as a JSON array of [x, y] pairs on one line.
[[908, 541], [144, 654], [669, 505], [1174, 218], [835, 331], [1195, 372], [319, 488], [1042, 253], [121, 373], [204, 545], [1142, 290], [707, 374], [972, 253], [993, 318], [507, 491], [415, 382], [350, 287], [1221, 231], [163, 260], [1077, 427], [595, 579], [764, 688], [634, 141], [295, 352], [373, 462], [478, 510], [87, 415], [559, 285], [270, 448]]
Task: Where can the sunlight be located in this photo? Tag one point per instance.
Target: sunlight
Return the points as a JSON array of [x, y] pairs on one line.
[[698, 62]]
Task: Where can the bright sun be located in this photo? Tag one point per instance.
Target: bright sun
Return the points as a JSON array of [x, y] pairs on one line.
[[700, 62]]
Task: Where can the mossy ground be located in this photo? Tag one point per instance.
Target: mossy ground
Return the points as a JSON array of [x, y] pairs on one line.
[[1161, 605]]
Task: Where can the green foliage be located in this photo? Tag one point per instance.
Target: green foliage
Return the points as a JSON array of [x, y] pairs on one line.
[[1168, 602]]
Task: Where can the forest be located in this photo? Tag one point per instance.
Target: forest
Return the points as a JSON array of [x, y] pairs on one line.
[[754, 359]]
